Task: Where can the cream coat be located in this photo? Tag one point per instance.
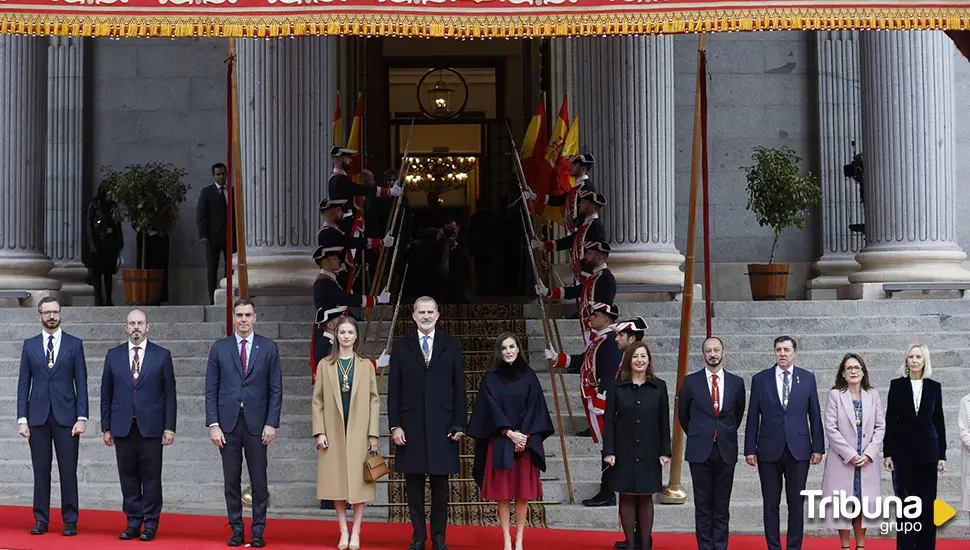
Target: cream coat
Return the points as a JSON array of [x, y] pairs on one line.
[[340, 468], [964, 422]]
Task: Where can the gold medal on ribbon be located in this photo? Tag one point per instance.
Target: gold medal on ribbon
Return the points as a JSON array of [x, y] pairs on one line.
[[50, 363]]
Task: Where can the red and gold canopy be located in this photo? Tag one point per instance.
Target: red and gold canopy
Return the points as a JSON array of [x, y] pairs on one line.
[[467, 18]]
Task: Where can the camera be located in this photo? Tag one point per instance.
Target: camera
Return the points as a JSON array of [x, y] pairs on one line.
[[449, 233]]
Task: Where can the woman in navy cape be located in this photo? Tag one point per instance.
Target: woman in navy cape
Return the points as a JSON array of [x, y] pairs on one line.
[[509, 424]]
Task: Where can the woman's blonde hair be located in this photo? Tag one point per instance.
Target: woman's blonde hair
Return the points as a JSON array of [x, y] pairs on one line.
[[927, 366], [335, 349]]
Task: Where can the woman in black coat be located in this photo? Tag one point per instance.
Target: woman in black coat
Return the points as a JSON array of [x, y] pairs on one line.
[[915, 442], [636, 440], [105, 242]]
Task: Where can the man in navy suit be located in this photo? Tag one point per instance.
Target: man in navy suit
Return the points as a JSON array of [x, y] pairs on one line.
[[52, 406], [710, 408], [138, 408], [243, 402], [784, 432]]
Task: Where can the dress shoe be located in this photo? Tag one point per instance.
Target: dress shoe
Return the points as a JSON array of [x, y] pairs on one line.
[[416, 546], [602, 499], [584, 433], [236, 539], [439, 546], [621, 545], [39, 528], [148, 535], [70, 529], [130, 533], [257, 541]]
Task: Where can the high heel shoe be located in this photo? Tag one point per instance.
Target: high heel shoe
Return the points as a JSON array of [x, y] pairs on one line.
[[343, 545], [352, 545]]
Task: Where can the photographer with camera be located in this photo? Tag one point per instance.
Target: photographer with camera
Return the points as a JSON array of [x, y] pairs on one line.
[[451, 265]]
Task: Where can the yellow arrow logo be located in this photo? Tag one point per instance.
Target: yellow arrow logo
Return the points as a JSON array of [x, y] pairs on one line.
[[942, 512]]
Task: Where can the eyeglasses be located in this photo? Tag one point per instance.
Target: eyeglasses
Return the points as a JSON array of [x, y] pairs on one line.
[[50, 313], [854, 368]]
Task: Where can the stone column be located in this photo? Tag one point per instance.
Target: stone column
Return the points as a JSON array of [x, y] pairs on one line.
[[908, 119], [65, 161], [840, 123], [625, 93], [23, 110], [286, 104]]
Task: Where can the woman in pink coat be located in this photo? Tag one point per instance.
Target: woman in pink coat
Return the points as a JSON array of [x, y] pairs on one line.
[[855, 426]]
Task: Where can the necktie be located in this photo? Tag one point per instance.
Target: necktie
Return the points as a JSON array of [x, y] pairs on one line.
[[242, 356], [50, 351], [715, 399], [222, 191], [785, 388], [135, 364], [425, 347]]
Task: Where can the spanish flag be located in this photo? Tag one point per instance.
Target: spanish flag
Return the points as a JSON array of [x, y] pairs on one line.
[[554, 153], [337, 131], [534, 150], [353, 142], [564, 179]]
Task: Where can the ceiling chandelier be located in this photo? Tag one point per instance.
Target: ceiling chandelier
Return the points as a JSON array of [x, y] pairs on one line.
[[439, 174]]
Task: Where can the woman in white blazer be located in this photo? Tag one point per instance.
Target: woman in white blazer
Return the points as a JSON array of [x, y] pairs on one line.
[[965, 447]]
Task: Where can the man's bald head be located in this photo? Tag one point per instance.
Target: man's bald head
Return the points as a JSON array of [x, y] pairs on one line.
[[136, 325]]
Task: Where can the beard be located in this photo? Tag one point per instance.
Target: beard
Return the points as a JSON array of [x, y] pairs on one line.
[[587, 265], [52, 323], [714, 362]]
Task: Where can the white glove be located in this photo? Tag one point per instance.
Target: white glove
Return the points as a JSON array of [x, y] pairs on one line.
[[388, 241], [396, 190], [536, 244], [384, 298], [383, 361], [541, 290], [549, 354], [529, 195]]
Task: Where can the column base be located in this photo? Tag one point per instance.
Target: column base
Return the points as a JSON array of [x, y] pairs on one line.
[[27, 272], [275, 280], [897, 266], [660, 268], [75, 290], [833, 273]]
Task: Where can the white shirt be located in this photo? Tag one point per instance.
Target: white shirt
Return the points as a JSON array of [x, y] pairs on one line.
[[917, 393], [141, 353], [780, 382], [720, 384], [57, 349], [430, 336]]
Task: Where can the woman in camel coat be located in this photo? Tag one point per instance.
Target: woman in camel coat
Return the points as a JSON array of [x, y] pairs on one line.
[[346, 415]]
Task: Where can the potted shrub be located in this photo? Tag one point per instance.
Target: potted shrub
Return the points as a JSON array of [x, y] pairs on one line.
[[780, 197], [148, 196]]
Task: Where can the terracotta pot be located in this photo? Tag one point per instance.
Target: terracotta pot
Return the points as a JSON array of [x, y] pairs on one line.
[[143, 287], [768, 281]]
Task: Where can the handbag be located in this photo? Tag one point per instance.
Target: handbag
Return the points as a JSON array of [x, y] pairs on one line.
[[375, 467]]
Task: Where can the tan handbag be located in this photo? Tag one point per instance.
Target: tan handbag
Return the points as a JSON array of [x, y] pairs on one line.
[[375, 467]]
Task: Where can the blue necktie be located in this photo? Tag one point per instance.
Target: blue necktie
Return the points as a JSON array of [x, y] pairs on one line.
[[785, 388], [426, 349], [50, 351]]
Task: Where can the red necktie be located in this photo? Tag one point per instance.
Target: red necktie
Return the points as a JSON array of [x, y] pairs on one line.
[[715, 399], [242, 356], [135, 365]]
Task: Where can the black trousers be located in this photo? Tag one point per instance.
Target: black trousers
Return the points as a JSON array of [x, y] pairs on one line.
[[920, 480], [237, 441], [414, 485], [713, 481], [140, 470], [212, 253], [102, 289], [42, 438], [795, 475]]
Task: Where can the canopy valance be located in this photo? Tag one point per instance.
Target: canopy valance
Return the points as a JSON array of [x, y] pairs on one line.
[[466, 18]]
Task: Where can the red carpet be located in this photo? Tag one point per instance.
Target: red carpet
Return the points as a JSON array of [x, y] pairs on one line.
[[99, 530]]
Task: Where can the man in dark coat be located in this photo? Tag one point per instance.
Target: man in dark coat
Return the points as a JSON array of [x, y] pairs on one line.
[[211, 219], [426, 411], [105, 242]]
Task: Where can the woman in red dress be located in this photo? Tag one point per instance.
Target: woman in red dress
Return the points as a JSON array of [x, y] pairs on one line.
[[509, 424]]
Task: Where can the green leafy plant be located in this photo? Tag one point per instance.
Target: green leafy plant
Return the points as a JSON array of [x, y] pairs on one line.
[[147, 195], [777, 193]]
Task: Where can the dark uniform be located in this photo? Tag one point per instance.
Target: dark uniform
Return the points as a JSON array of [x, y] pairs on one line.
[[596, 286], [591, 229]]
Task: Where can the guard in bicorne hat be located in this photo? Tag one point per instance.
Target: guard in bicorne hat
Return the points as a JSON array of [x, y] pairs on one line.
[[597, 377], [596, 284], [591, 229]]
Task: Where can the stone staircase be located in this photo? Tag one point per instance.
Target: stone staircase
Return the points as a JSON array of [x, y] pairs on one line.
[[193, 476], [825, 330]]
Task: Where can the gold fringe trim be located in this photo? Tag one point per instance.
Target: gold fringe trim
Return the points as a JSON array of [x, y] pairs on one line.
[[482, 26]]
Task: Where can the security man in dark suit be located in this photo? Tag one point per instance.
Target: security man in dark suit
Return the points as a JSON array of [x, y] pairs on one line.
[[138, 410], [426, 411], [243, 403], [211, 219], [52, 406], [711, 406]]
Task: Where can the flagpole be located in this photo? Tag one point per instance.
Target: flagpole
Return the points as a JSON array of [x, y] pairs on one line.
[[240, 218], [673, 493]]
